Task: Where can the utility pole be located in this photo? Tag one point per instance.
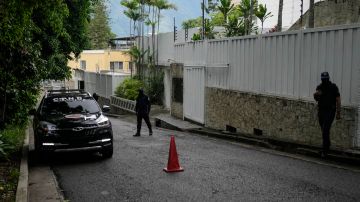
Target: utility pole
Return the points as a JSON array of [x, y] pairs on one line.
[[203, 20], [301, 12], [175, 30], [311, 14], [279, 24]]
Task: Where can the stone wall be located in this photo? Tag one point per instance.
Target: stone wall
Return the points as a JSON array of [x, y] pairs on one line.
[[176, 71], [332, 12], [281, 118]]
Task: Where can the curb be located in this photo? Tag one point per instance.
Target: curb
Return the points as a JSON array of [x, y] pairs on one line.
[[22, 188], [280, 145]]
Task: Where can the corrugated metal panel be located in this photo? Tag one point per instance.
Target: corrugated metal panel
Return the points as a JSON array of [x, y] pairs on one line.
[[281, 64], [217, 77], [195, 53], [217, 52], [180, 52], [194, 93]]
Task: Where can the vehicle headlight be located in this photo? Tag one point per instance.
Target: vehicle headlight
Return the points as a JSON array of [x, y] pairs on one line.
[[103, 121], [48, 128]]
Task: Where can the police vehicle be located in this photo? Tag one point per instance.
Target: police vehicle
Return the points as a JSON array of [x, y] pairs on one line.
[[71, 120]]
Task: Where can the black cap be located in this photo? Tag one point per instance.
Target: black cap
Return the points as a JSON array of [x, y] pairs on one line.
[[325, 75]]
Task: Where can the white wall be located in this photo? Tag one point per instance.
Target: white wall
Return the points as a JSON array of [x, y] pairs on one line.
[[284, 64], [102, 84]]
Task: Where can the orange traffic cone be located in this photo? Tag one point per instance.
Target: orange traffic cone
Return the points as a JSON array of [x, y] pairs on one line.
[[173, 162]]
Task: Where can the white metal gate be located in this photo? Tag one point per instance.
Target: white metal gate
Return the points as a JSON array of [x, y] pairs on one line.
[[194, 93]]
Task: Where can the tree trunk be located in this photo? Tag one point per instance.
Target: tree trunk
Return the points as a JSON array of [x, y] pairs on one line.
[[157, 38], [311, 14], [279, 24], [153, 43]]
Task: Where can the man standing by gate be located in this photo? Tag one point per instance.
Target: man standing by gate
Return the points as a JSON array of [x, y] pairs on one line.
[[328, 97], [142, 109]]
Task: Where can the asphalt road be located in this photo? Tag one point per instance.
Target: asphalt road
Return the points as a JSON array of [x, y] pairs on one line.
[[215, 170]]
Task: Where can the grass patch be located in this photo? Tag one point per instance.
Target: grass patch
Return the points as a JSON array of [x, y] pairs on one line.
[[11, 141]]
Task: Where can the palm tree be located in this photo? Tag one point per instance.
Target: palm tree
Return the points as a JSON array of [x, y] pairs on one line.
[[130, 5], [262, 14], [135, 16], [136, 54], [235, 26], [161, 5], [279, 24], [246, 7], [225, 8], [311, 14]]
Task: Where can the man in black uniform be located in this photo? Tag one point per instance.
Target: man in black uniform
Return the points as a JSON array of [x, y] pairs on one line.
[[96, 97], [328, 97], [142, 109]]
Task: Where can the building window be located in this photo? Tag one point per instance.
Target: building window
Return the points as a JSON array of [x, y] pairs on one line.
[[83, 64], [178, 90], [116, 66]]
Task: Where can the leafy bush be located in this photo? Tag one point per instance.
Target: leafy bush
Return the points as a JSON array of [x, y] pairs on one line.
[[128, 89], [11, 140], [155, 88], [196, 37]]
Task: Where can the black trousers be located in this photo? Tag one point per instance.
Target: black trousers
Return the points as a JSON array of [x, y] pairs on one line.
[[326, 118], [140, 117]]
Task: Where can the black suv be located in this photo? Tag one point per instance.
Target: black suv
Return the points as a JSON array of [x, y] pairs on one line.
[[71, 120]]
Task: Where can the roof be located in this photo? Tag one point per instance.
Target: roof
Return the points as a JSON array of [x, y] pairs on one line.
[[94, 51], [128, 38]]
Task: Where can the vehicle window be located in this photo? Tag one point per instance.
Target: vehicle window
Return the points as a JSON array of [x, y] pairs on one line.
[[69, 105]]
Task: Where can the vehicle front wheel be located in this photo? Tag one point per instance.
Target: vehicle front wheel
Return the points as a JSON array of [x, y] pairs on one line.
[[107, 152]]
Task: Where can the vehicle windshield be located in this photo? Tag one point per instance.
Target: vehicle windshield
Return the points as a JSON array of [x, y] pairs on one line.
[[69, 105]]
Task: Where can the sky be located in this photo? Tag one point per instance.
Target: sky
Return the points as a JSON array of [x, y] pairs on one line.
[[188, 9]]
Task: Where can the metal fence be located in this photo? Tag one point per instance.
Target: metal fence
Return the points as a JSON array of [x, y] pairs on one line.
[[284, 64]]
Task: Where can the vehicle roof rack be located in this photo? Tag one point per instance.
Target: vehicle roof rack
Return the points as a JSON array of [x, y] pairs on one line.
[[57, 92]]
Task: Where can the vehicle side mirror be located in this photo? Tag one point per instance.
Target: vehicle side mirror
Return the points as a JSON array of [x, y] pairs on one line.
[[32, 112], [105, 108]]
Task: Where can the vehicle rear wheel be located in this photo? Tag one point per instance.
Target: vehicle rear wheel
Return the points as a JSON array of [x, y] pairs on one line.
[[107, 152]]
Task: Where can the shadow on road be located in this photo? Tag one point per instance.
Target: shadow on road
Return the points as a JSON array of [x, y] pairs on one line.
[[73, 158]]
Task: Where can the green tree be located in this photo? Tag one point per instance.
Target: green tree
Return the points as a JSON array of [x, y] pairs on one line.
[[217, 19], [262, 14], [130, 5], [191, 23], [235, 26], [99, 29], [129, 88], [225, 8], [196, 37], [209, 30], [37, 38], [246, 8]]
